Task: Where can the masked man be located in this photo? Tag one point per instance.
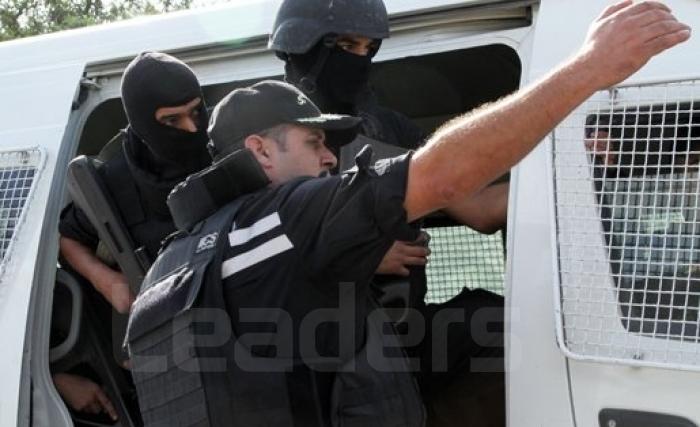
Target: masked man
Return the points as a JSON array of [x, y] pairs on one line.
[[163, 143]]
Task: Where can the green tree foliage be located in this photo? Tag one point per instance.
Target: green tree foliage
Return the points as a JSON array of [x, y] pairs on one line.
[[22, 18]]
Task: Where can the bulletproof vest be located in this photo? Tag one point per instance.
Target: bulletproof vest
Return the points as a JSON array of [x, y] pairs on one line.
[[190, 369], [146, 227]]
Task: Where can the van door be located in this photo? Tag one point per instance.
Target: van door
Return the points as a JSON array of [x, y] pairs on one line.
[[36, 110], [605, 303]]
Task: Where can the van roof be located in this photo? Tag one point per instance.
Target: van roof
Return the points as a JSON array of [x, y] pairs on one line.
[[230, 25]]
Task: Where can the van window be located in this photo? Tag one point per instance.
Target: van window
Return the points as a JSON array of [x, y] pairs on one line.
[[648, 195], [18, 172], [438, 88], [628, 219]]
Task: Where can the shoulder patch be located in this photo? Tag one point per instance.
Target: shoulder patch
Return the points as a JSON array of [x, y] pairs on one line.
[[207, 242]]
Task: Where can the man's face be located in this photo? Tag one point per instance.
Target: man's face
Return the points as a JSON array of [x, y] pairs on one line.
[[598, 143], [184, 117], [356, 44], [300, 152]]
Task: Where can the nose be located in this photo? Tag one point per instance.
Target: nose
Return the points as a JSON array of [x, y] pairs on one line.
[[188, 124], [328, 159], [360, 50]]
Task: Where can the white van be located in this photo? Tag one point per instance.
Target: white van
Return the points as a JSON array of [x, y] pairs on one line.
[[601, 278]]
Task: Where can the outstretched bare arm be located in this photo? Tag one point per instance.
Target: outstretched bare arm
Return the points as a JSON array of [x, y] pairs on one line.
[[471, 151]]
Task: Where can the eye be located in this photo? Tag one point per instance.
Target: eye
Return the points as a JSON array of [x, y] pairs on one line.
[[169, 120], [194, 116], [346, 45], [314, 143]]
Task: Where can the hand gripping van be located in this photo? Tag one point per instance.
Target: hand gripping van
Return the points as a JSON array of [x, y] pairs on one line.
[[600, 264]]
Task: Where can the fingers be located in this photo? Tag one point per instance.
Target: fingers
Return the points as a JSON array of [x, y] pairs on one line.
[[673, 35], [650, 16], [121, 297], [661, 28], [403, 272], [414, 251], [92, 407], [416, 261], [614, 8], [106, 404], [644, 7], [629, 9], [628, 36], [423, 239]]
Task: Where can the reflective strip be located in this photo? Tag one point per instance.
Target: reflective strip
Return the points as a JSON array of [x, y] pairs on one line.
[[254, 256], [244, 235]]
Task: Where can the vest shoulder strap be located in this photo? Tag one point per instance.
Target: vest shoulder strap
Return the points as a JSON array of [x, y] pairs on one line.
[[203, 245], [211, 236], [121, 184]]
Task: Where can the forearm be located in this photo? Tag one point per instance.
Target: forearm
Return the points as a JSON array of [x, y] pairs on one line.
[[84, 261], [471, 151], [485, 212]]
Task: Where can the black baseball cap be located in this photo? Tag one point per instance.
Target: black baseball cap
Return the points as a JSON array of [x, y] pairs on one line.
[[270, 103]]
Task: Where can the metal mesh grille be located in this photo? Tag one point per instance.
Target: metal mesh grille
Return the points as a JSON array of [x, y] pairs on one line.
[[628, 225], [462, 257], [18, 170]]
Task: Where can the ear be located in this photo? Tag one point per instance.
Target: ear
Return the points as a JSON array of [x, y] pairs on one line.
[[260, 150]]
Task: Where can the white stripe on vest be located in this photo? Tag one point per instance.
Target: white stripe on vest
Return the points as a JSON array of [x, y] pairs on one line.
[[245, 235], [257, 255]]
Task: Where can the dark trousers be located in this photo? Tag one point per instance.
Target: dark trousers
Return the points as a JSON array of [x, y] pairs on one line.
[[461, 360]]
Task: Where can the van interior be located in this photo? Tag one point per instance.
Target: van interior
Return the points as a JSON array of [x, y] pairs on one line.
[[439, 87], [647, 190]]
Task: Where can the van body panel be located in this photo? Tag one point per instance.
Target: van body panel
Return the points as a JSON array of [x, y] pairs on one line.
[[245, 23], [537, 381], [596, 386], [545, 380], [39, 103], [39, 98], [677, 62], [538, 387]]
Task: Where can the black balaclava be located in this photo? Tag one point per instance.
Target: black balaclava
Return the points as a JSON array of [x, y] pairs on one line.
[[154, 80], [341, 82]]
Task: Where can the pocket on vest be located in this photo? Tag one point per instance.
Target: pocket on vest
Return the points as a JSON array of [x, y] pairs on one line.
[[161, 343]]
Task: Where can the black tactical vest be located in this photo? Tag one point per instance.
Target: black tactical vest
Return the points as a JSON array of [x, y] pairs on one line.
[[146, 227], [190, 370]]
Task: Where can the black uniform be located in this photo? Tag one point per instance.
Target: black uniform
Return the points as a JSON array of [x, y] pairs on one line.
[[286, 256], [291, 247], [138, 193], [308, 236]]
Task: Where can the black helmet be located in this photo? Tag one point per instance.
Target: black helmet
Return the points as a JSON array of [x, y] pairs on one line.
[[301, 24]]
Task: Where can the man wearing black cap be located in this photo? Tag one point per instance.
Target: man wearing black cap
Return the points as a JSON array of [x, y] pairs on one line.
[[164, 142], [279, 273], [280, 249]]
